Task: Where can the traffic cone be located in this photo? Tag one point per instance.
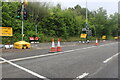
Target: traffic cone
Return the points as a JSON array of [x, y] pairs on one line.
[[58, 47], [53, 47], [96, 42]]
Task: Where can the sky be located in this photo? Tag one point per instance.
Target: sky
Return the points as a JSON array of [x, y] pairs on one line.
[[110, 5]]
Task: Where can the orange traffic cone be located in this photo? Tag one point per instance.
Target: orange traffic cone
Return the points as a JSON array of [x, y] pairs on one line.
[[58, 47], [96, 42], [53, 46]]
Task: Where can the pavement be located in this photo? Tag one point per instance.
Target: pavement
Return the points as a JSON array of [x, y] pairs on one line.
[[74, 62]]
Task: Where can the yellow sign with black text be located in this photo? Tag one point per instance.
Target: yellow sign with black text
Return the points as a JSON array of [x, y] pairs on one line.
[[83, 35], [6, 31]]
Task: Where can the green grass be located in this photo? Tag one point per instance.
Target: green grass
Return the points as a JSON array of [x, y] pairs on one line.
[[46, 39]]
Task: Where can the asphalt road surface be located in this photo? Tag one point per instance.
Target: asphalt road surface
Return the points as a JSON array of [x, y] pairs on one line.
[[74, 62]]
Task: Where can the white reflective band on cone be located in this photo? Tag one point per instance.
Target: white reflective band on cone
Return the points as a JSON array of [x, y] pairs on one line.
[[58, 43], [53, 44]]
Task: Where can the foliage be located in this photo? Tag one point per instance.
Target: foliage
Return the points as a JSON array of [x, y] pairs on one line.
[[54, 22]]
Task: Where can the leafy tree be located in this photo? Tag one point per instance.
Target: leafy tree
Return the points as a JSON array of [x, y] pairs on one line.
[[53, 21]]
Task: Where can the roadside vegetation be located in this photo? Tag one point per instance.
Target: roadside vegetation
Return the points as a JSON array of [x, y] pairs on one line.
[[54, 22]]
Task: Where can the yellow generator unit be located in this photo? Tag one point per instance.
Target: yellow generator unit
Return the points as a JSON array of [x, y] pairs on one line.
[[21, 45]]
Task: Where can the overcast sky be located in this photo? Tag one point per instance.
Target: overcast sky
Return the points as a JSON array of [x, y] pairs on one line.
[[110, 5]]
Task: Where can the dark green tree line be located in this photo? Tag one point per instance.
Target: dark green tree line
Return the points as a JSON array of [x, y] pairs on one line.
[[52, 21]]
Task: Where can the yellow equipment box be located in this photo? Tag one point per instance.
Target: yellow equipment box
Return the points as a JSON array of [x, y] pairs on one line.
[[21, 45]]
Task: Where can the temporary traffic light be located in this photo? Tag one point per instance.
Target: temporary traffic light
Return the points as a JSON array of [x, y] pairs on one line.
[[25, 14], [18, 13]]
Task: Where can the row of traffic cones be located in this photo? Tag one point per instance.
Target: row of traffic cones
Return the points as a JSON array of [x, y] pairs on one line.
[[53, 49]]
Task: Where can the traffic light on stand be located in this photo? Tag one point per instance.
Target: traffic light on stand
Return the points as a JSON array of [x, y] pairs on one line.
[[25, 14], [18, 13]]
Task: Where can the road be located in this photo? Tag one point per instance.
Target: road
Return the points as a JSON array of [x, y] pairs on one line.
[[74, 62]]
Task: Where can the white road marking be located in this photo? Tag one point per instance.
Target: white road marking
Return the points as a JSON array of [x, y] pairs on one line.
[[110, 58], [98, 70], [24, 69], [31, 57], [82, 76], [109, 44], [38, 56]]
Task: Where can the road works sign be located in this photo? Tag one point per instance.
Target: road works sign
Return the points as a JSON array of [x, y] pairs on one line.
[[6, 31], [83, 35], [104, 37]]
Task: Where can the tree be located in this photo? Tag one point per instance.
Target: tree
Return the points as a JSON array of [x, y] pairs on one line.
[[100, 20]]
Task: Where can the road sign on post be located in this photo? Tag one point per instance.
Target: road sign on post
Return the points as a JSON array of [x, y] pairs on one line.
[[84, 29], [104, 37], [6, 31], [83, 35]]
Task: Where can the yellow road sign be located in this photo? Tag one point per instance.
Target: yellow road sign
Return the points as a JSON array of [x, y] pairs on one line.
[[104, 37], [6, 31], [25, 2], [83, 35], [115, 37]]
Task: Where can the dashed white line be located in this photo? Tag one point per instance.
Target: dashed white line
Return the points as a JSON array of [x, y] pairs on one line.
[[24, 69], [110, 58], [82, 76]]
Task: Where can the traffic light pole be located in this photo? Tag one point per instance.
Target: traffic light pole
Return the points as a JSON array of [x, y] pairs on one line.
[[22, 20], [86, 16]]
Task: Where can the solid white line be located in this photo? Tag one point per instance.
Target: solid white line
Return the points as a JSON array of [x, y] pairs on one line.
[[24, 69], [110, 58], [32, 57], [82, 76]]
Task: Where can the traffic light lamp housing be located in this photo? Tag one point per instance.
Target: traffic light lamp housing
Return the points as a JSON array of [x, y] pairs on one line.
[[18, 13], [25, 14]]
